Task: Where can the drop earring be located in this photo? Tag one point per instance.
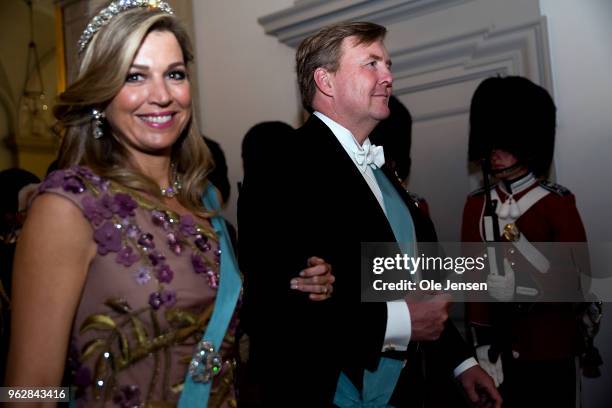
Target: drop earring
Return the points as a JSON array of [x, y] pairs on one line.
[[98, 132]]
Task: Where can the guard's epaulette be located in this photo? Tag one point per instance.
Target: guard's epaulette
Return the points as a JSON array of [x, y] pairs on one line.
[[555, 188], [481, 191]]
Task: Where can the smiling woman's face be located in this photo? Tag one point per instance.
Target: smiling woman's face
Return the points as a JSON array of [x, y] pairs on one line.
[[154, 105]]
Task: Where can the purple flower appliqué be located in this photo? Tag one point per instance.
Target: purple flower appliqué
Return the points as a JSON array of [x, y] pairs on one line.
[[124, 205], [73, 184], [213, 278], [53, 180], [187, 225], [156, 258], [168, 297], [108, 238], [174, 244], [143, 275], [132, 231], [84, 172], [198, 264], [126, 256], [90, 209], [146, 240], [155, 300], [202, 243], [95, 210], [159, 218], [107, 206], [164, 274]]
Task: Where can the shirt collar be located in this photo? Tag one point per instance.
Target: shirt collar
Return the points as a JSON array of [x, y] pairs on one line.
[[344, 136], [519, 185]]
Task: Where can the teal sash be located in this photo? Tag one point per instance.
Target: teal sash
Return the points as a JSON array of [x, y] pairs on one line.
[[378, 386], [397, 213], [195, 394]]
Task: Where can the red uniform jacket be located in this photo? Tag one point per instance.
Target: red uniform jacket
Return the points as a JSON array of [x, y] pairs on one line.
[[538, 331]]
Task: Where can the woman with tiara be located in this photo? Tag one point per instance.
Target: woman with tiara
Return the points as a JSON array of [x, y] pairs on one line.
[[124, 279]]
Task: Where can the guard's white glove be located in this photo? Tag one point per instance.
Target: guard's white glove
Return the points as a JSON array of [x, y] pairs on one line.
[[493, 369], [502, 287]]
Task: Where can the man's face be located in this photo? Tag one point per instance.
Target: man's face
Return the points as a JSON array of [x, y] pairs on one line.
[[362, 83], [502, 163]]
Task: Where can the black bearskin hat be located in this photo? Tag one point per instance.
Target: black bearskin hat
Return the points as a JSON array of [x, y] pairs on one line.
[[515, 115], [395, 135]]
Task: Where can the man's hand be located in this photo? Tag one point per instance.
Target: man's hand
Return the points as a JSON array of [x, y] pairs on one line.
[[428, 317], [480, 388]]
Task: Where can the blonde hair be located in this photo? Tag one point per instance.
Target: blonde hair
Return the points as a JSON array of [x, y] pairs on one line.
[[102, 71]]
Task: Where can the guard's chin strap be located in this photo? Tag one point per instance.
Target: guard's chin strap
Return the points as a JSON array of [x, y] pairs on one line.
[[498, 172]]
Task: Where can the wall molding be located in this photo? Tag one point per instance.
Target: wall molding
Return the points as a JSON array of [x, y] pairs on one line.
[[516, 50], [519, 50], [305, 17]]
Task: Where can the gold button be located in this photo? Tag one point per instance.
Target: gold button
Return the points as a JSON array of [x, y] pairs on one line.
[[511, 232]]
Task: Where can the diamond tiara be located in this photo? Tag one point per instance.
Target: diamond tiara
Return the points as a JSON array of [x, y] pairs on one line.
[[106, 14]]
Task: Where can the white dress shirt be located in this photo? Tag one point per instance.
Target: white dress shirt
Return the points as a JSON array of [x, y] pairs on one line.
[[399, 326]]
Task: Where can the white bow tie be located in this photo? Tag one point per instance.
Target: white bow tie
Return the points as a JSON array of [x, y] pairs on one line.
[[371, 155]]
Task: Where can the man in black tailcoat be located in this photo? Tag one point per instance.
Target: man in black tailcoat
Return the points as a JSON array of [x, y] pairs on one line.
[[324, 197]]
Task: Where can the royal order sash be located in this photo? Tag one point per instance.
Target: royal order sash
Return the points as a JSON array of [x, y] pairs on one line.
[[195, 394]]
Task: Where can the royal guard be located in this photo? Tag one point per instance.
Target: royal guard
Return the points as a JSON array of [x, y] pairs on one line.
[[530, 347]]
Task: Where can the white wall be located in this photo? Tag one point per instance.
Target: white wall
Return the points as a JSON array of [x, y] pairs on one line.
[[245, 77], [581, 51]]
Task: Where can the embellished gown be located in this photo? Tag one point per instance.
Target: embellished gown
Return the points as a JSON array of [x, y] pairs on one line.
[[147, 298]]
